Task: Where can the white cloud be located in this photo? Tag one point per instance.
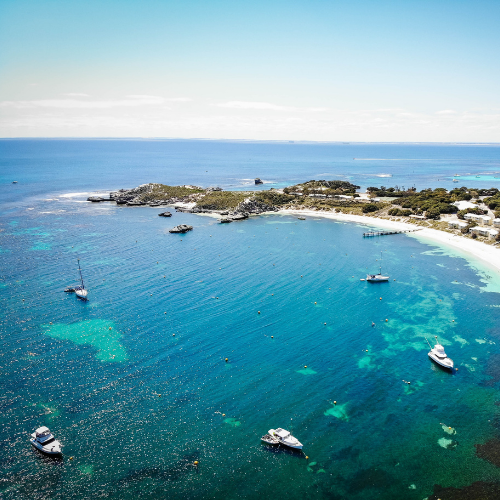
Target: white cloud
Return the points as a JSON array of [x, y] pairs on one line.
[[446, 112], [129, 101], [263, 106], [76, 94]]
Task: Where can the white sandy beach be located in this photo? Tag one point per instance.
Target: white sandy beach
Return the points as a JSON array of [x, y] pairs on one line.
[[487, 254]]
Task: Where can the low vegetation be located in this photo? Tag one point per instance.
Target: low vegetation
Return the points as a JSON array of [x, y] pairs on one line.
[[165, 192], [222, 200]]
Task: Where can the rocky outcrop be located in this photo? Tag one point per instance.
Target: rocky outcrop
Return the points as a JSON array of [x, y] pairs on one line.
[[253, 206], [96, 199], [181, 228], [165, 214]]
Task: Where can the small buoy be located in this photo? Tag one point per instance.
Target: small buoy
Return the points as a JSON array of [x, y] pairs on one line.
[[110, 328], [71, 458], [23, 300], [366, 350], [272, 336], [165, 312], [50, 323], [335, 402], [173, 334], [324, 324], [386, 320], [151, 295], [227, 360], [307, 458], [380, 298], [157, 262], [453, 320], [305, 366], [315, 302], [223, 414], [159, 395], [272, 294], [449, 427], [195, 462], [164, 276], [301, 275], [258, 312], [216, 297]]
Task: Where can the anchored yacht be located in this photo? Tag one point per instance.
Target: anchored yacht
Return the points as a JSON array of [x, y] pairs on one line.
[[43, 440], [438, 355], [285, 438]]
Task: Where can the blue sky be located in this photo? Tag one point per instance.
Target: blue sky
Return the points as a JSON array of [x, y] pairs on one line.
[[315, 70]]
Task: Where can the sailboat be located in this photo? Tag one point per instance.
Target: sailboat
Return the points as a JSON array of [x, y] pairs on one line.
[[376, 278], [81, 291]]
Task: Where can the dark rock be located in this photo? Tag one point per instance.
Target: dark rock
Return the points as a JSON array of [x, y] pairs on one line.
[[239, 216], [135, 204], [181, 228], [226, 221], [165, 214], [95, 199], [258, 181]]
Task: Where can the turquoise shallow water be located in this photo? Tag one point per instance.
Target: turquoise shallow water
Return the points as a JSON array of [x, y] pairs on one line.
[[135, 384]]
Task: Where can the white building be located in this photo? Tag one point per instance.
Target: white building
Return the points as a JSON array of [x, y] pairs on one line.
[[496, 222], [457, 224], [484, 220], [485, 231]]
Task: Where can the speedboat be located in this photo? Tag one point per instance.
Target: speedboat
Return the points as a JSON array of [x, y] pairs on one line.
[[438, 355], [285, 438], [268, 439], [43, 440]]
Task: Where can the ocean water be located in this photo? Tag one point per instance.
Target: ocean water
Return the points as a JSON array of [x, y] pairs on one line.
[[135, 382]]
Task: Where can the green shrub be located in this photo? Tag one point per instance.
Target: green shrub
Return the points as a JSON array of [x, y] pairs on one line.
[[370, 207]]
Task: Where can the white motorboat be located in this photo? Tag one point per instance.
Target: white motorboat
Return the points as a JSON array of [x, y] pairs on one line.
[[268, 439], [438, 355], [285, 438], [376, 278], [43, 440], [81, 291]]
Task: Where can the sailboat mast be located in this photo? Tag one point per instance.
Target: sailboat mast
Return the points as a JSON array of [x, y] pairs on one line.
[[81, 277]]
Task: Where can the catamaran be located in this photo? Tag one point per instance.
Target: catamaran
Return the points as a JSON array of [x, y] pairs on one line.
[[375, 278], [81, 291]]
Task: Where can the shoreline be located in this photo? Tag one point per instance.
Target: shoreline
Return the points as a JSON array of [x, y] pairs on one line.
[[466, 248]]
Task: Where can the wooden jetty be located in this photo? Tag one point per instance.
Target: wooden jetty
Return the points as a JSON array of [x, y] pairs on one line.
[[383, 233]]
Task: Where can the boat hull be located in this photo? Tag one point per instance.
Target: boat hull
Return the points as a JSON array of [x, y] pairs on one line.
[[444, 364], [377, 278], [54, 451], [81, 294]]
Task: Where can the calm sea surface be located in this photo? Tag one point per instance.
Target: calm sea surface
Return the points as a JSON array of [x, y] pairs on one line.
[[134, 382]]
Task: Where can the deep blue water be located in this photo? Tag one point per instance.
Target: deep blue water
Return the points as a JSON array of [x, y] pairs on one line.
[[135, 383]]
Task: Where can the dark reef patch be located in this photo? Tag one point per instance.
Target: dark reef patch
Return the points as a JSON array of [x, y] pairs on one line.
[[476, 491], [489, 451], [492, 371]]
